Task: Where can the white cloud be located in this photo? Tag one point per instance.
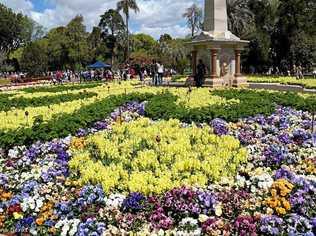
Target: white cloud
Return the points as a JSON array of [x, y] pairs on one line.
[[155, 17]]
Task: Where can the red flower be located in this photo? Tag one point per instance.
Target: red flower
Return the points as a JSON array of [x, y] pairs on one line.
[[14, 208]]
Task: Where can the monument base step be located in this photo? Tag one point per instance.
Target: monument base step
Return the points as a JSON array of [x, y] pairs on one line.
[[214, 83], [240, 82]]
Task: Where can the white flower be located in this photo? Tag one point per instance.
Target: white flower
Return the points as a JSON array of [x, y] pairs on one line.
[[218, 210], [114, 201], [13, 153], [203, 218]]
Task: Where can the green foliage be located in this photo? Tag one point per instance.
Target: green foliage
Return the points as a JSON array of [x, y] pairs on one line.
[[34, 58], [64, 124], [60, 88], [306, 83], [21, 102], [283, 34], [250, 103], [159, 106]]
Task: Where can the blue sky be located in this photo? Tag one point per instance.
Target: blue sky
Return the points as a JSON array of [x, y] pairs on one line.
[[41, 5], [155, 18]]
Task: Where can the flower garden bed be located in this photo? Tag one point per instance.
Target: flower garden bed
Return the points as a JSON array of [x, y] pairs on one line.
[[308, 83], [127, 174]]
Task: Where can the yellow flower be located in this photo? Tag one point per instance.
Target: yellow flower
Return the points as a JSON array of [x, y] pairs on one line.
[[131, 159], [280, 210], [17, 216]]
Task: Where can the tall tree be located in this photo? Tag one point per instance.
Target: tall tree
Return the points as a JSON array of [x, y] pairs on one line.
[[34, 58], [57, 48], [78, 49], [126, 6], [12, 33], [194, 18], [240, 17], [95, 41], [295, 34], [111, 24]]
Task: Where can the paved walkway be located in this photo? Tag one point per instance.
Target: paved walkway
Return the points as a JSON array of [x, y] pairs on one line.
[[281, 87], [268, 86]]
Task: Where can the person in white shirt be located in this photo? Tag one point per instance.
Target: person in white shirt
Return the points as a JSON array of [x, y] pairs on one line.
[[161, 71]]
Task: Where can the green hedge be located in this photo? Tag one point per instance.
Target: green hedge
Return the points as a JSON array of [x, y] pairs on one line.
[[62, 125], [60, 88], [160, 106], [251, 103], [6, 104]]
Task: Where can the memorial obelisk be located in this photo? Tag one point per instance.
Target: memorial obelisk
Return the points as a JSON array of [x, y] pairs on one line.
[[224, 48]]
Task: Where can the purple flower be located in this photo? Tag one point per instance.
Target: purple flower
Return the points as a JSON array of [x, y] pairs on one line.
[[134, 202], [220, 126], [300, 136], [81, 133], [246, 137], [276, 155], [100, 125], [90, 194], [3, 179], [207, 201], [245, 225], [285, 138], [159, 219], [298, 225], [181, 202], [272, 225], [29, 186], [28, 221], [314, 139]]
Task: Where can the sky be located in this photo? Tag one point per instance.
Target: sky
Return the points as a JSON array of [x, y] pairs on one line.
[[155, 17]]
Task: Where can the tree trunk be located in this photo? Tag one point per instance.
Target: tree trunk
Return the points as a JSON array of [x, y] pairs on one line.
[[127, 28]]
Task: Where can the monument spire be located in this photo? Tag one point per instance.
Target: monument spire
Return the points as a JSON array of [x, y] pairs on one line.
[[215, 19]]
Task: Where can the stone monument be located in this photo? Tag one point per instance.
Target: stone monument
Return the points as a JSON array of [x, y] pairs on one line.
[[219, 49]]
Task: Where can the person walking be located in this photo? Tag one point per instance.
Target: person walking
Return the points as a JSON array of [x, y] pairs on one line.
[[154, 72], [161, 71], [201, 71]]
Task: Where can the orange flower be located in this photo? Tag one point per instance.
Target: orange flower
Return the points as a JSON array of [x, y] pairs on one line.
[[40, 221], [272, 202], [52, 230], [78, 143], [286, 204]]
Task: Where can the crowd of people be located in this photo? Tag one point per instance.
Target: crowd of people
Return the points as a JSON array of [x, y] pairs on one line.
[[154, 70], [87, 75], [296, 70]]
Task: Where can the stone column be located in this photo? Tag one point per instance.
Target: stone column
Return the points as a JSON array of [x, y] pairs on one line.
[[194, 62], [238, 63], [214, 53]]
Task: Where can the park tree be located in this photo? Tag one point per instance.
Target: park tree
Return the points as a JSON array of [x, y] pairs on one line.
[[77, 45], [125, 6], [112, 26], [34, 59], [16, 30], [57, 48], [165, 38], [194, 18], [240, 17], [294, 38], [143, 42]]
